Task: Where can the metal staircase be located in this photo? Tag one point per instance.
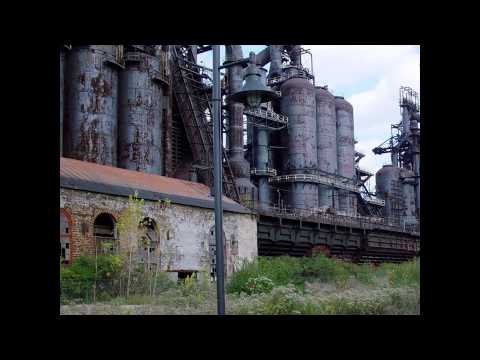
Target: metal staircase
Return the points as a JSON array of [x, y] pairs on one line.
[[194, 104]]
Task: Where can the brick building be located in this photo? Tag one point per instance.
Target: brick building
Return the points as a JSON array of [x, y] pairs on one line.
[[180, 235]]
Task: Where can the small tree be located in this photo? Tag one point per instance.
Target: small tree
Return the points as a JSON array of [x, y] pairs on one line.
[[130, 231]]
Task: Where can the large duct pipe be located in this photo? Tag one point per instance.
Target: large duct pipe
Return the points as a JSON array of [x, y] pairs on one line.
[[275, 60], [91, 111], [261, 163], [263, 57], [240, 166]]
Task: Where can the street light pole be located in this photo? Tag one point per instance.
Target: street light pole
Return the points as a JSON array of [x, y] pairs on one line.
[[253, 93], [217, 179]]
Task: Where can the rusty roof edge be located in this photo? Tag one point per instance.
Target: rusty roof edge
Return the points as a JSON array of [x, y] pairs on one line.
[[96, 187]]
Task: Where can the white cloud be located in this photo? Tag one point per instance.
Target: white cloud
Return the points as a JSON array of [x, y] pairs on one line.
[[343, 67], [370, 77], [376, 109]]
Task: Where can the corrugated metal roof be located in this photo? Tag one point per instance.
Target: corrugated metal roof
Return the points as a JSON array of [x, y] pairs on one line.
[[83, 175]]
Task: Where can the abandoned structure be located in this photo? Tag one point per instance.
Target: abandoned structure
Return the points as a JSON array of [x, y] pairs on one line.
[[138, 117], [92, 197]]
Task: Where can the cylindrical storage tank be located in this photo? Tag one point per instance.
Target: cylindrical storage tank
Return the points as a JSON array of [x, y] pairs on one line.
[[298, 103], [303, 195], [408, 189], [326, 142], [91, 109], [345, 138], [345, 152], [62, 92], [389, 188], [140, 115]]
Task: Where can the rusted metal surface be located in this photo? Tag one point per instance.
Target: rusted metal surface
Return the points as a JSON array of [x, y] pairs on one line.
[[82, 175], [140, 116], [91, 113], [239, 165], [298, 103], [345, 152], [326, 142], [388, 188], [194, 107], [408, 192], [345, 141], [167, 133]]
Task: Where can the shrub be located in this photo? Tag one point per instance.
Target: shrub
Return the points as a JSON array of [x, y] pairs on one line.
[[259, 285], [287, 301], [404, 274], [327, 270], [238, 280], [283, 300], [281, 270], [346, 306], [77, 280], [109, 278]]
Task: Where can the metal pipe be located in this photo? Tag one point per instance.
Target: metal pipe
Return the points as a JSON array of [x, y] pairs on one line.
[[217, 169], [275, 60], [239, 165], [263, 57]]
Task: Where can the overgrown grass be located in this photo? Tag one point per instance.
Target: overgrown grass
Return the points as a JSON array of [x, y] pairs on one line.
[[285, 286], [104, 278], [284, 270], [404, 274]]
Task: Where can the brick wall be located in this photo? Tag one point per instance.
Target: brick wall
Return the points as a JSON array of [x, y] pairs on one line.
[[184, 230]]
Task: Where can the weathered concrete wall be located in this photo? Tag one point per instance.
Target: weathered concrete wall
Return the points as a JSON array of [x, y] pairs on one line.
[[185, 231]]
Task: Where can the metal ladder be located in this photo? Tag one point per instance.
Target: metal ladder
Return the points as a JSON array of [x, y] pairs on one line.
[[195, 110]]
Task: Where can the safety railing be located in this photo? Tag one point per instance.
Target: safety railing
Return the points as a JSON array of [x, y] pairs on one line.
[[263, 172], [373, 201], [320, 179], [289, 72], [324, 216], [267, 115]]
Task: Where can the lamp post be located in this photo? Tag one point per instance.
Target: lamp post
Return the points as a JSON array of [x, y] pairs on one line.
[[252, 94]]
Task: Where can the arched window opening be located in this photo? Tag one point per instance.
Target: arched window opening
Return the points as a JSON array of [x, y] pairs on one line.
[[105, 234], [149, 243], [65, 231]]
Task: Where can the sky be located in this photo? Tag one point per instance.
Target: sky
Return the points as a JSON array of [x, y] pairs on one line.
[[369, 77]]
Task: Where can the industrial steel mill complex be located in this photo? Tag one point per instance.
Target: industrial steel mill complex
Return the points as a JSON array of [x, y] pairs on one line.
[[139, 118]]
